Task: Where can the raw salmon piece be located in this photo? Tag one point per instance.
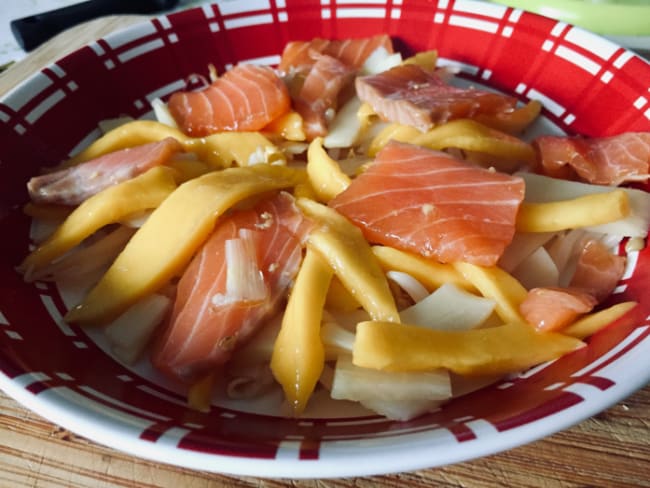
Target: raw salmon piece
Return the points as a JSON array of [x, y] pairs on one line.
[[410, 95], [73, 185], [598, 270], [603, 160], [431, 203], [298, 55], [552, 308], [204, 328], [318, 96], [245, 98]]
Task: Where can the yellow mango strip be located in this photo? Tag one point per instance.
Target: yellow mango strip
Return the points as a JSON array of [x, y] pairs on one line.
[[298, 353], [339, 298], [512, 122], [473, 136], [365, 115], [47, 211], [395, 132], [366, 111], [343, 246], [237, 149], [496, 350], [130, 134], [584, 211], [592, 323], [497, 284], [218, 150], [304, 190], [109, 206], [199, 394], [163, 246], [430, 273], [425, 59], [187, 169], [288, 126], [325, 174]]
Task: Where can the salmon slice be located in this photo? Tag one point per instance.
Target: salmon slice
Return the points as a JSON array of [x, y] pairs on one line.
[[596, 275], [603, 160], [298, 55], [410, 95], [317, 99], [433, 204], [205, 325], [73, 185], [552, 308], [598, 270], [245, 98]]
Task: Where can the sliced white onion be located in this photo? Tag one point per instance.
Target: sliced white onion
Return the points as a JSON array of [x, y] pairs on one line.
[[401, 410], [346, 127], [354, 383], [336, 337], [537, 270], [346, 319], [162, 113], [41, 229], [266, 155], [449, 308], [130, 332], [564, 250], [327, 377], [244, 279], [380, 60], [410, 285], [522, 245]]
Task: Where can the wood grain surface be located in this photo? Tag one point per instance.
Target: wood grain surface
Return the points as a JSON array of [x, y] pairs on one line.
[[611, 449]]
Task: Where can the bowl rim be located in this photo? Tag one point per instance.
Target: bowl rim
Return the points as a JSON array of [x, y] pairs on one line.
[[367, 462], [379, 460]]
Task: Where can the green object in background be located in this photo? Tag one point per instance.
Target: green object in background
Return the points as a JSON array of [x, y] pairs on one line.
[[607, 17]]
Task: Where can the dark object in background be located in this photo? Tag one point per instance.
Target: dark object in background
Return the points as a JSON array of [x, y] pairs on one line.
[[32, 31]]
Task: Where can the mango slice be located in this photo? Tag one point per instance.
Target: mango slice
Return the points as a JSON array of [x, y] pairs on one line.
[[513, 122], [430, 273], [220, 150], [143, 192], [163, 246], [288, 126], [470, 135], [325, 174], [298, 353], [593, 322], [496, 350], [499, 285], [424, 59], [343, 246], [584, 211]]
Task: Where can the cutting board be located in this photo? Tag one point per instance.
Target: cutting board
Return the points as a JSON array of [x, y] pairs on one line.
[[611, 449]]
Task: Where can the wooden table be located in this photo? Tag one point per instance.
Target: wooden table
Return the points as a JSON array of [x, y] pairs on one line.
[[611, 449]]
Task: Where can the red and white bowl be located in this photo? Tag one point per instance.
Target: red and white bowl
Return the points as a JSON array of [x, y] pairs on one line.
[[587, 84]]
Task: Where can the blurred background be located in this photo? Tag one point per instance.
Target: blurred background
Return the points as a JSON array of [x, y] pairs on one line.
[[627, 22]]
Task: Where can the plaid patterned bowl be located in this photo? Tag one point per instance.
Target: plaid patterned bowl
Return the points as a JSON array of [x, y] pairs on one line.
[[587, 84]]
